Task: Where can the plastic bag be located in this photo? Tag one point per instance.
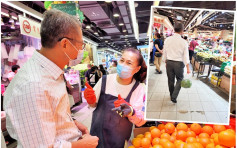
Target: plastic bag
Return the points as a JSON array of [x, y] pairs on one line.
[[186, 83]]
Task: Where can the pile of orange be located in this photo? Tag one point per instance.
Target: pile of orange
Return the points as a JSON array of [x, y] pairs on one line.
[[186, 136]]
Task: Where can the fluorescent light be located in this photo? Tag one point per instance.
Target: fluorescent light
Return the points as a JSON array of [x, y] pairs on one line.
[[199, 12], [7, 15], [134, 20], [20, 6], [106, 41], [96, 33], [116, 15], [17, 23], [88, 26], [124, 30], [12, 26], [11, 20], [121, 24], [108, 1]]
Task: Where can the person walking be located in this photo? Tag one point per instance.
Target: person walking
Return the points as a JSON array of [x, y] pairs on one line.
[[176, 56], [158, 45], [192, 46]]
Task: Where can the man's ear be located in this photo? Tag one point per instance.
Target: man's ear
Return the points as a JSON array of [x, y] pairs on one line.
[[63, 43]]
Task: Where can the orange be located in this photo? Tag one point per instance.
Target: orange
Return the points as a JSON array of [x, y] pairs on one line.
[[227, 138], [219, 128], [189, 145], [203, 135], [180, 144], [214, 135], [207, 129], [177, 142], [182, 126], [196, 128], [210, 145], [163, 141], [191, 140], [191, 134], [161, 126], [156, 141], [216, 140], [168, 145], [145, 142], [181, 135], [155, 133], [131, 146], [204, 141], [169, 128], [172, 139], [162, 131], [165, 136], [197, 145], [151, 128], [232, 131], [136, 142], [174, 134], [140, 136], [157, 146], [148, 135], [220, 146]]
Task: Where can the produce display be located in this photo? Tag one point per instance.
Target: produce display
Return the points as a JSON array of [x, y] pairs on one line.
[[186, 136], [186, 83], [227, 70]]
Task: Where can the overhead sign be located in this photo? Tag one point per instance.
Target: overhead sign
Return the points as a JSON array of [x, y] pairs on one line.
[[29, 27]]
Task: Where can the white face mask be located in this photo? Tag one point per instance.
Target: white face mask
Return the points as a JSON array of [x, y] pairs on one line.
[[78, 59]]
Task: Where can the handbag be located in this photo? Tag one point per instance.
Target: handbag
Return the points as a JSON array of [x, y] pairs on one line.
[[157, 54]]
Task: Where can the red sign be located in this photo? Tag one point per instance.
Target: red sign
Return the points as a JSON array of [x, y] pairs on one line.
[[26, 26]]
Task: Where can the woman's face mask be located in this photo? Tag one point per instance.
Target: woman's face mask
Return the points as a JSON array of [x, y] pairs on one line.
[[124, 71]]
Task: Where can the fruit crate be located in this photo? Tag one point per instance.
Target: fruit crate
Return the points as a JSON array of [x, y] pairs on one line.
[[214, 80]]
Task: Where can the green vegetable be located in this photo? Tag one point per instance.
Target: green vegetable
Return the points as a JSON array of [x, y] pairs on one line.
[[47, 4], [186, 83]]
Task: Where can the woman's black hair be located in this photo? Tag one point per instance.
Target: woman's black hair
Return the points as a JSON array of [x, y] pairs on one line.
[[15, 67], [141, 74], [101, 67]]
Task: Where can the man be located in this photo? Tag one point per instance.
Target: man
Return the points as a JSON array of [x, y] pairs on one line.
[[176, 57], [192, 46], [11, 74], [114, 68], [36, 101]]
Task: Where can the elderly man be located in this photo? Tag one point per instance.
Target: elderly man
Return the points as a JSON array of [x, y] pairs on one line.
[[176, 57], [36, 101]]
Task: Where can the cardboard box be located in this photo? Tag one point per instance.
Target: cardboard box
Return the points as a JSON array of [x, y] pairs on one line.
[[141, 130], [225, 83]]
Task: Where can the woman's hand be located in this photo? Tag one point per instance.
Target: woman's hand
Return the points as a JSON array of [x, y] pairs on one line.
[[89, 94], [120, 101], [124, 110]]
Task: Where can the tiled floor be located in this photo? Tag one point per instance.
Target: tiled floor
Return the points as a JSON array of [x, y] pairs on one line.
[[198, 103]]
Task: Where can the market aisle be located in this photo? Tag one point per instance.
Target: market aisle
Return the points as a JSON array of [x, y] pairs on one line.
[[198, 103]]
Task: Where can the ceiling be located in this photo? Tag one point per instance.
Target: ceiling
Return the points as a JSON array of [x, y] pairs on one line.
[[214, 20], [99, 15]]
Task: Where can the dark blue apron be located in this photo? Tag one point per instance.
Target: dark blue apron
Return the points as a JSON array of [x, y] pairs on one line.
[[111, 128]]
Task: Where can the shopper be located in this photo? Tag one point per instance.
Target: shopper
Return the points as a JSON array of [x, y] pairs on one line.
[[87, 74], [36, 101], [176, 57], [192, 46], [158, 45], [93, 77], [106, 71], [102, 69], [12, 74], [186, 39], [162, 37], [122, 90], [114, 67], [151, 53]]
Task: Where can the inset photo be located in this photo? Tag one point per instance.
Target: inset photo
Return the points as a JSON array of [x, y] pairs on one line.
[[190, 70]]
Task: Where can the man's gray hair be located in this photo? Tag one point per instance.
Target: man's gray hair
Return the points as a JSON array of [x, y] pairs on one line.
[[178, 27], [55, 25]]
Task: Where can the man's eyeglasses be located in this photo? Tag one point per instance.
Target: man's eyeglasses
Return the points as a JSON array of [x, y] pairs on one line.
[[83, 44]]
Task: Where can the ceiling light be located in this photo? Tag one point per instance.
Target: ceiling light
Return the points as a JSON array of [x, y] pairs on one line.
[[106, 41], [134, 20], [124, 30], [12, 26], [2, 23], [96, 33], [121, 24], [88, 26], [108, 1], [116, 12], [11, 19]]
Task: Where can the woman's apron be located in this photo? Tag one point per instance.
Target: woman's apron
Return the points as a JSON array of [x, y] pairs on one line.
[[110, 127]]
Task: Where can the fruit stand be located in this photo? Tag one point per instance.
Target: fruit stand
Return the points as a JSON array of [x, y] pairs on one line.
[[216, 60], [184, 135]]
